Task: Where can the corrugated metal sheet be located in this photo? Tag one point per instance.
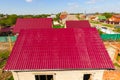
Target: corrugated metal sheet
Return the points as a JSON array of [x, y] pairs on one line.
[[6, 29], [59, 49], [110, 36], [32, 23], [77, 24]]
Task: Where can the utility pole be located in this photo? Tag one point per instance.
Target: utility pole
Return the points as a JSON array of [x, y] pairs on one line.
[[85, 12], [85, 15], [10, 42]]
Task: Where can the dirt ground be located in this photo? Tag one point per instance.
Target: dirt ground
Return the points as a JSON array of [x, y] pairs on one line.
[[111, 75], [5, 75], [113, 49]]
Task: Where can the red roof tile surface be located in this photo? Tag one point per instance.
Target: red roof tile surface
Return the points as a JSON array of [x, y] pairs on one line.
[[77, 24], [32, 23], [6, 29], [59, 49]]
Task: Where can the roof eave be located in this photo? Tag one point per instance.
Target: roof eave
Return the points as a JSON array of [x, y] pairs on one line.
[[32, 70]]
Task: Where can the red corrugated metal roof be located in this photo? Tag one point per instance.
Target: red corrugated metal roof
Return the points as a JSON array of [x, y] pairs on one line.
[[6, 29], [77, 23], [59, 49], [32, 23]]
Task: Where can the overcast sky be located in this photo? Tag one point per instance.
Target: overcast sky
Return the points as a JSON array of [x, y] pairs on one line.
[[56, 6]]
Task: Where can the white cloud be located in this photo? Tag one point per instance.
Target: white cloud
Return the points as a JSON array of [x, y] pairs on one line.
[[93, 1], [73, 5], [28, 0]]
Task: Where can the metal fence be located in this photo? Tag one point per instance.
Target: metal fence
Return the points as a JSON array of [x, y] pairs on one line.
[[7, 38], [103, 36], [110, 36]]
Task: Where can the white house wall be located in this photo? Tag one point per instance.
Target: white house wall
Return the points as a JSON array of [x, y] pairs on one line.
[[60, 75]]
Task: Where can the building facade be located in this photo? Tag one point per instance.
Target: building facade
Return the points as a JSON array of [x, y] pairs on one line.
[[59, 54], [59, 75]]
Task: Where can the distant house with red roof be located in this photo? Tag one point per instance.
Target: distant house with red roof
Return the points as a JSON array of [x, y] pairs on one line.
[[8, 29], [77, 24], [32, 23], [59, 54], [115, 19], [69, 17], [63, 15]]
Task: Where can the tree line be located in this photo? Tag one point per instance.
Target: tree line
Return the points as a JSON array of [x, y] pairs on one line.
[[10, 20]]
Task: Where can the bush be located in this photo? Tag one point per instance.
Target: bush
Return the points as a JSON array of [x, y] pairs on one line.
[[4, 54], [108, 25], [100, 32], [58, 26], [117, 30], [2, 63], [117, 65], [118, 58], [95, 22], [11, 78]]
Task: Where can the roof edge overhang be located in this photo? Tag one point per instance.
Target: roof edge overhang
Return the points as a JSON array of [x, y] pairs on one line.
[[32, 70]]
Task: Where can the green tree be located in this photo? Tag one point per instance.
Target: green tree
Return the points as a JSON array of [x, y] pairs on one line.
[[78, 16], [57, 18], [100, 32], [9, 21], [97, 13], [117, 30], [107, 15], [11, 78], [1, 15], [3, 22], [27, 16], [35, 16]]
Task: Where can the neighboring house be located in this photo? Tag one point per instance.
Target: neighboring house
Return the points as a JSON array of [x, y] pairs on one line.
[[69, 17], [77, 24], [63, 15], [83, 16], [59, 54], [32, 23], [93, 18], [115, 19], [8, 29]]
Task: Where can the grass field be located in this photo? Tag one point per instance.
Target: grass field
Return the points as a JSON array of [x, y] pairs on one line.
[[4, 54]]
